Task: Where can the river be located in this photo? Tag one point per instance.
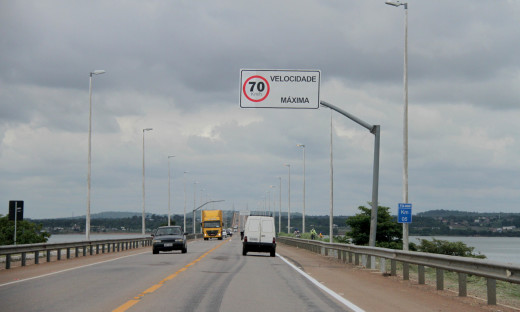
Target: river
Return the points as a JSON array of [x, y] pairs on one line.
[[500, 249]]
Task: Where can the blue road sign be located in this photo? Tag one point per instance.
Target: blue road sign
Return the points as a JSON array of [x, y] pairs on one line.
[[404, 213]]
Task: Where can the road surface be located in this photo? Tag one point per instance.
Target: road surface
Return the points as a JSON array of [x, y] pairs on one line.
[[214, 276]]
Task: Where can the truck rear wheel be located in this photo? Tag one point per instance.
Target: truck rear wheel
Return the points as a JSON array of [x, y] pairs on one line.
[[244, 251]]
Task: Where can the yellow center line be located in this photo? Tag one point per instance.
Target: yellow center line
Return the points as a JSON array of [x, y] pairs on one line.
[[130, 303]]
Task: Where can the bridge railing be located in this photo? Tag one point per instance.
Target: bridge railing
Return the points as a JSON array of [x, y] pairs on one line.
[[82, 248], [348, 253]]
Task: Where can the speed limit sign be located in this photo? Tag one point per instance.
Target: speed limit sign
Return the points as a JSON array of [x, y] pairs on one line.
[[261, 88], [256, 88]]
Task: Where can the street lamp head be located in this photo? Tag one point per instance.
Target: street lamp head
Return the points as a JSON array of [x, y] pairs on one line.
[[301, 145], [171, 156], [397, 3], [97, 72], [147, 129], [287, 165]]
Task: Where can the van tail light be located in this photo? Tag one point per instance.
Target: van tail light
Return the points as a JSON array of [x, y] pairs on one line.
[[245, 239], [274, 240]]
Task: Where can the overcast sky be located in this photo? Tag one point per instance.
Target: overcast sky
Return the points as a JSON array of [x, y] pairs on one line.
[[174, 66]]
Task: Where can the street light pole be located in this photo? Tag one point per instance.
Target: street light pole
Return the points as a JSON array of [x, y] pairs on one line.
[[274, 206], [405, 116], [289, 199], [303, 215], [169, 200], [87, 226], [331, 213], [280, 206], [194, 205], [144, 197], [184, 180]]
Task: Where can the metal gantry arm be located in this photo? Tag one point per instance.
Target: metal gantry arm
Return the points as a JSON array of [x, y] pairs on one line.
[[375, 130], [194, 210]]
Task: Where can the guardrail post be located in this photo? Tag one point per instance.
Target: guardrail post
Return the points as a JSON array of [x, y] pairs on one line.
[[382, 265], [463, 291], [76, 252], [58, 254], [491, 291], [97, 249], [367, 261], [406, 271], [118, 247], [103, 248], [36, 257], [48, 256], [440, 278], [393, 267], [349, 257], [68, 252], [90, 249], [356, 256], [420, 271], [24, 257], [7, 262], [84, 251]]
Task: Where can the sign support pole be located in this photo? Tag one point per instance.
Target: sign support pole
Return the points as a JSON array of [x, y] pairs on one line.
[[376, 131]]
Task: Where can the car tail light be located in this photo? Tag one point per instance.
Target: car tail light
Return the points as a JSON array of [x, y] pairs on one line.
[[245, 239], [274, 240]]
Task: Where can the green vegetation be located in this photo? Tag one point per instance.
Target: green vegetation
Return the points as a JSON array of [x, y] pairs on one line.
[[446, 248], [26, 232], [388, 233]]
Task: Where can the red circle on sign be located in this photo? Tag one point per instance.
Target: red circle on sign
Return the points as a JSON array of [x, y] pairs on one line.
[[262, 98]]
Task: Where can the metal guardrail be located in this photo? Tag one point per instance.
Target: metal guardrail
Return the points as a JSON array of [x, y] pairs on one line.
[[86, 247], [490, 270]]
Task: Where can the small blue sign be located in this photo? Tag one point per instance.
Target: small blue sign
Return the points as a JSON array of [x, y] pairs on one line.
[[404, 213]]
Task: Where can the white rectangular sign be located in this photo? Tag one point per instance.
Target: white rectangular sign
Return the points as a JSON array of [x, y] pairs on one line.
[[271, 88]]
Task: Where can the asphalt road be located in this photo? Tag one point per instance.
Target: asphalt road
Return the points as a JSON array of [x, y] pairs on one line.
[[212, 276]]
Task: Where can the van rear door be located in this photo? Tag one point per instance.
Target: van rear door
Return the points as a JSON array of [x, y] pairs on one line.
[[253, 230], [267, 231]]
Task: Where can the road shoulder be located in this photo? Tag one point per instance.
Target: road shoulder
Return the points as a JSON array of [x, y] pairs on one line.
[[372, 291]]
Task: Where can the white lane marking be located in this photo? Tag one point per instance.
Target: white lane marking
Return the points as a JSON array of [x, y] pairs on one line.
[[75, 268], [325, 289]]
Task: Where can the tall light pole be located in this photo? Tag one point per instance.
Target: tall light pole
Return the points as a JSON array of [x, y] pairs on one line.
[[87, 226], [194, 205], [289, 199], [331, 213], [303, 215], [280, 206], [200, 201], [144, 197], [405, 115], [184, 180], [274, 206], [169, 188]]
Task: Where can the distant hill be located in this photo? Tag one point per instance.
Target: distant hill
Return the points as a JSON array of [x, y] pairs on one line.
[[456, 213]]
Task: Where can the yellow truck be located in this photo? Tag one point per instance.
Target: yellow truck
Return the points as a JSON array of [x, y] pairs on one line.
[[212, 224]]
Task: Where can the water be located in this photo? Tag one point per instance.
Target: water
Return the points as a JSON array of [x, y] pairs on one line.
[[67, 238], [500, 249]]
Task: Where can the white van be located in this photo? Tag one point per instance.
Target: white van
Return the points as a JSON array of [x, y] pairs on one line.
[[259, 235]]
